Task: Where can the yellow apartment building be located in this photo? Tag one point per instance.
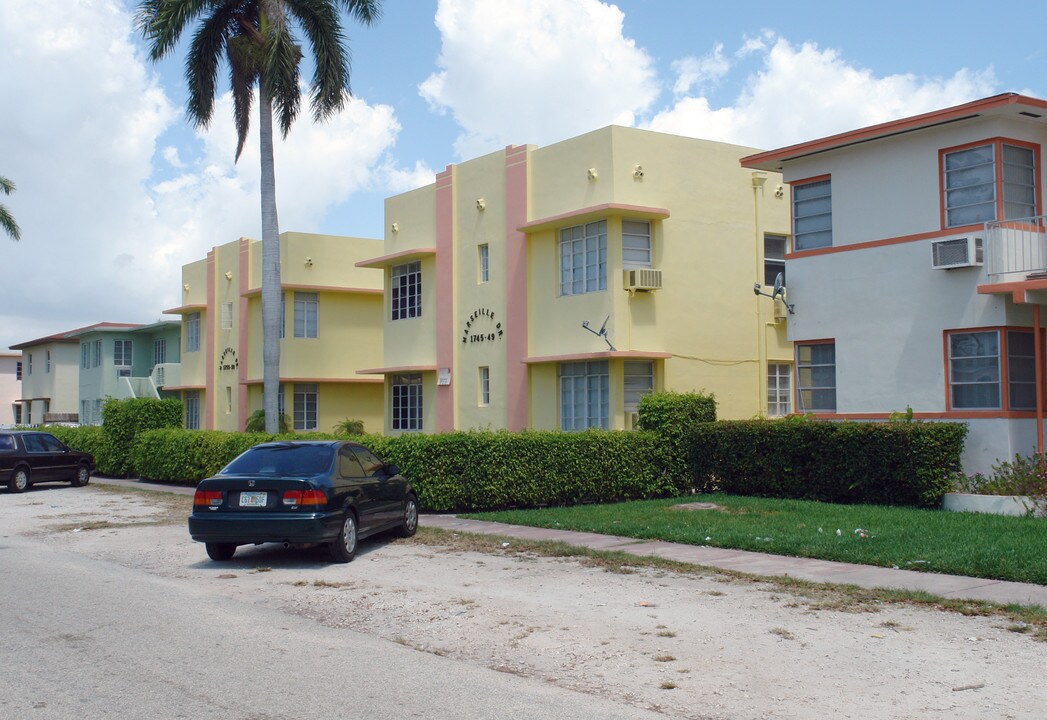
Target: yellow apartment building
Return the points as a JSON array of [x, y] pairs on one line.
[[332, 327], [552, 287]]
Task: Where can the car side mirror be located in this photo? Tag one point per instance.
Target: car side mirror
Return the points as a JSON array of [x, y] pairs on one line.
[[392, 469]]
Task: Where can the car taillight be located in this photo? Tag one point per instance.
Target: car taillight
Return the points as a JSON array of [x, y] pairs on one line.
[[304, 497], [207, 498]]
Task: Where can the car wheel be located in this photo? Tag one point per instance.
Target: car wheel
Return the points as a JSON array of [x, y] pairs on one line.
[[83, 476], [409, 526], [220, 551], [343, 549], [19, 480]]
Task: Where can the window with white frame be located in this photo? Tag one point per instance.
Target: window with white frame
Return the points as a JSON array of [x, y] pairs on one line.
[[192, 410], [228, 399], [281, 408], [122, 353], [96, 416], [774, 249], [96, 353], [636, 243], [30, 363], [192, 332], [306, 311], [84, 419], [812, 215], [159, 351], [306, 397], [227, 316], [584, 393], [406, 282], [583, 258], [47, 361], [778, 389], [485, 386], [484, 262], [283, 314], [18, 370], [639, 381], [85, 355], [977, 376], [970, 179], [406, 403], [816, 377]]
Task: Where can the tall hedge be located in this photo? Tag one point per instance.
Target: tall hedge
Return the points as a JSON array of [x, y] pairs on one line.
[[841, 462], [122, 420]]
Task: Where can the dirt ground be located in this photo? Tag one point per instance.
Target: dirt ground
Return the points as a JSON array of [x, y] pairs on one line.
[[690, 645]]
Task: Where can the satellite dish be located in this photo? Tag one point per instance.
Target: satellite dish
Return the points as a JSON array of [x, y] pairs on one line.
[[779, 286]]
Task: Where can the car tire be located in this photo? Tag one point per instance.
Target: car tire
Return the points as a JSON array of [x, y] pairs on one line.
[[83, 476], [409, 525], [343, 548], [19, 481], [220, 551]]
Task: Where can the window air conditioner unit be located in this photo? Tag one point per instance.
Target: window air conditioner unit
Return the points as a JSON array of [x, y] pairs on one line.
[[643, 279], [957, 253]]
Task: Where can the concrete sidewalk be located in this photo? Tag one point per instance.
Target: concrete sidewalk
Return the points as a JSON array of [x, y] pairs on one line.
[[867, 576]]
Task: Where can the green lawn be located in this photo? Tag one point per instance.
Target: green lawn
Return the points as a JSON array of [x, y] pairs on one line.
[[989, 546]]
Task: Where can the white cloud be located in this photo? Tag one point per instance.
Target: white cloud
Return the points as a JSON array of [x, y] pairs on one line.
[[535, 72], [700, 72], [103, 237], [802, 93]]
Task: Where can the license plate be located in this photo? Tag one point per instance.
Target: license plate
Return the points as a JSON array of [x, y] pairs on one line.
[[252, 499]]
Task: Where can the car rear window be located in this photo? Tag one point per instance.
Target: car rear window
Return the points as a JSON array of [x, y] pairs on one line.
[[282, 460]]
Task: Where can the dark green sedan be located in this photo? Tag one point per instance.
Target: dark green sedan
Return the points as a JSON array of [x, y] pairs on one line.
[[302, 493]]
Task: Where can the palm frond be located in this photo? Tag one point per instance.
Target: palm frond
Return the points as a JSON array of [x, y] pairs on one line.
[[322, 26], [244, 66], [6, 186], [205, 54], [7, 222], [162, 22], [280, 75], [364, 11]]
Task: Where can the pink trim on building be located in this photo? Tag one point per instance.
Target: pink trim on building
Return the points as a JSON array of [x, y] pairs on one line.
[[210, 394], [330, 381], [398, 369], [251, 292], [605, 355], [242, 340], [594, 212], [445, 295], [516, 346]]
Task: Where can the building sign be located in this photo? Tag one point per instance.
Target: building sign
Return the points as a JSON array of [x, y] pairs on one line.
[[482, 327], [228, 360]]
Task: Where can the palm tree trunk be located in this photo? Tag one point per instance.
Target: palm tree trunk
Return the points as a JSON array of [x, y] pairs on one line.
[[271, 291]]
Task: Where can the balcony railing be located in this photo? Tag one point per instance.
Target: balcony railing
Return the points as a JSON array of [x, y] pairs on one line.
[[166, 374], [1016, 249]]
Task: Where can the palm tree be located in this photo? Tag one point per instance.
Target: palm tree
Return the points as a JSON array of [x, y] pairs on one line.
[[7, 221], [256, 40]]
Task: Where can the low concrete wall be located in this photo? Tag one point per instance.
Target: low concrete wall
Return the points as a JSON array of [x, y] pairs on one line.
[[993, 504]]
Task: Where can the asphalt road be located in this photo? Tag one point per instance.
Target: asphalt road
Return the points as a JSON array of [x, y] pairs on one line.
[[82, 638]]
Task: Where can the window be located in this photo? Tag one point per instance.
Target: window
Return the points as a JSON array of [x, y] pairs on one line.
[[976, 377], [281, 407], [774, 249], [348, 464], [370, 462], [85, 355], [227, 316], [306, 306], [47, 361], [970, 176], [305, 402], [583, 258], [812, 215], [583, 395], [84, 419], [484, 261], [18, 413], [639, 381], [228, 400], [192, 332], [30, 363], [97, 416], [283, 314], [159, 351], [816, 377], [122, 353], [18, 370], [96, 353], [778, 391], [407, 402], [636, 243], [192, 410], [406, 281], [485, 386]]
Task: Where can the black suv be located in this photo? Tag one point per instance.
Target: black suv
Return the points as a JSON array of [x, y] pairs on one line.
[[29, 456]]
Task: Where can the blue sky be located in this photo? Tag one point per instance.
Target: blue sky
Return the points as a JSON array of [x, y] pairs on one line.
[[116, 192]]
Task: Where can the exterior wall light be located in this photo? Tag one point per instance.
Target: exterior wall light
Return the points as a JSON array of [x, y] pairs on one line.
[[481, 204], [592, 174], [228, 275], [395, 227]]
